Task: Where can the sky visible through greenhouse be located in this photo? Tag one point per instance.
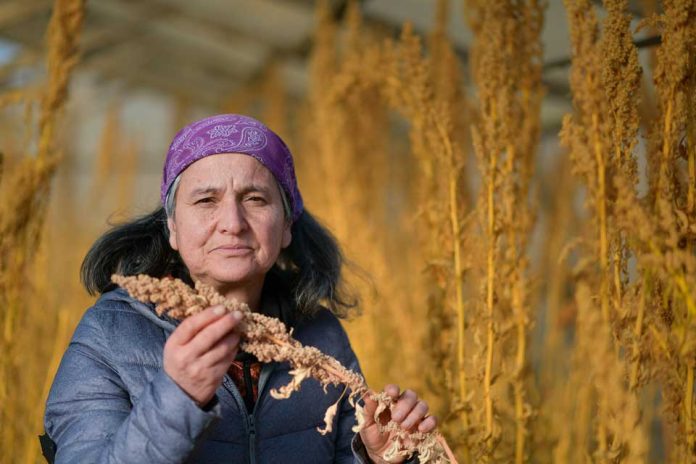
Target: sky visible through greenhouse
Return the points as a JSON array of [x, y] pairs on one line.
[[7, 51]]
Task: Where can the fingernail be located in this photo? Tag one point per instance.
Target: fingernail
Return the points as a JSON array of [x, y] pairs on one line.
[[237, 315], [219, 310]]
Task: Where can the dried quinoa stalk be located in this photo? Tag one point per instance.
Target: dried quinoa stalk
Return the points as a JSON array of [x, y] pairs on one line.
[[268, 339]]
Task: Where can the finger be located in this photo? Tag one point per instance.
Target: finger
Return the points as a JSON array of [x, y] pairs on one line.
[[194, 324], [392, 390], [428, 424], [418, 412], [211, 334], [225, 350], [404, 405], [369, 408]]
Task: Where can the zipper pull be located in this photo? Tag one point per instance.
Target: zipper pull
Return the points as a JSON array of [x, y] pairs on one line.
[[252, 425], [252, 439], [249, 386]]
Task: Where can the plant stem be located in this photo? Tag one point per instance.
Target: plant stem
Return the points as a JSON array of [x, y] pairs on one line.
[[603, 260], [691, 209], [448, 451], [667, 128], [458, 271], [517, 303], [602, 213], [618, 263], [338, 373], [638, 331], [688, 409], [691, 195], [456, 248], [520, 433], [490, 281]]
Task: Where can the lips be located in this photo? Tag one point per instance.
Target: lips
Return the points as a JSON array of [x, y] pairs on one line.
[[233, 250]]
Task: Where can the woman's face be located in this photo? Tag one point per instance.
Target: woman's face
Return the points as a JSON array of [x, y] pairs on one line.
[[229, 224]]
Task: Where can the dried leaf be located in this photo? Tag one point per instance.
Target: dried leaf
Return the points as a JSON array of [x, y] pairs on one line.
[[328, 419], [360, 417], [298, 375], [395, 452]]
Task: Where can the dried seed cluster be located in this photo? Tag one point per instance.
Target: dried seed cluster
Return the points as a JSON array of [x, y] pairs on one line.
[[268, 339]]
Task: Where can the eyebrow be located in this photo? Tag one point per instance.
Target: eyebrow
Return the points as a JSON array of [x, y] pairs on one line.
[[213, 190], [253, 188], [204, 190]]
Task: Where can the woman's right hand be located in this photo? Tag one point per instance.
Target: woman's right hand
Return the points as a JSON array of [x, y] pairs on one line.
[[200, 351]]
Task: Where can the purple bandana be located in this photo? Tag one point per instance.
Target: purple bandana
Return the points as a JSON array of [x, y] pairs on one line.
[[232, 133]]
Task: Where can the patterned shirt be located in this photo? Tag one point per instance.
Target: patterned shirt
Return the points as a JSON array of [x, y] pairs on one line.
[[236, 372]]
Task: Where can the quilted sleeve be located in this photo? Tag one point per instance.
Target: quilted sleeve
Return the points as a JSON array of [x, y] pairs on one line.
[[89, 414]]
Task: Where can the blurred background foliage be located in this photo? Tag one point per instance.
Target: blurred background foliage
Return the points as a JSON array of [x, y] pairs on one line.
[[513, 182]]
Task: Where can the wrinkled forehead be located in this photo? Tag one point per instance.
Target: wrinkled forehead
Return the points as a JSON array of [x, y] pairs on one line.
[[217, 171]]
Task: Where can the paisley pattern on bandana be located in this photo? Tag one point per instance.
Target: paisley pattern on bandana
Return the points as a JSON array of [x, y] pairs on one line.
[[232, 133], [221, 131]]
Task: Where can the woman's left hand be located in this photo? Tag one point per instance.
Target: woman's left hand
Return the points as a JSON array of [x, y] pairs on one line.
[[408, 411]]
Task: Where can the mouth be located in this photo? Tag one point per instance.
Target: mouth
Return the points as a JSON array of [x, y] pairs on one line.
[[233, 250]]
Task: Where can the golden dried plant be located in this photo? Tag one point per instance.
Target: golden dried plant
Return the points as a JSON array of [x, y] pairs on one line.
[[506, 68], [427, 93], [345, 168], [663, 242], [601, 137], [649, 317], [268, 339], [24, 193], [612, 281]]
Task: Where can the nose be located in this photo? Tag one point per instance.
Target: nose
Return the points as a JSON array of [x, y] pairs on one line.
[[231, 218]]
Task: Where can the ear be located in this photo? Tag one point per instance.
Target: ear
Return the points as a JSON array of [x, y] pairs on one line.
[[172, 234], [287, 234]]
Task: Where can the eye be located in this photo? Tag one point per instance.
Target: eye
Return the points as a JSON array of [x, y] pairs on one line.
[[204, 200], [256, 199]]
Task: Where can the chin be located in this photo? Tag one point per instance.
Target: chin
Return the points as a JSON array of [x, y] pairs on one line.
[[232, 278]]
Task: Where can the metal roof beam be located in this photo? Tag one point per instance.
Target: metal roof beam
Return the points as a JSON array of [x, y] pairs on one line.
[[139, 66]]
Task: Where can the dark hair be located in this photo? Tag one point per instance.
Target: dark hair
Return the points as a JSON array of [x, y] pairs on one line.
[[310, 267]]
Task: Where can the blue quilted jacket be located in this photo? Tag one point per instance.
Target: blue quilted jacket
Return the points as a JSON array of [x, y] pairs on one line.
[[111, 401]]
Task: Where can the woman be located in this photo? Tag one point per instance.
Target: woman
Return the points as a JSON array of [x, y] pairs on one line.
[[135, 387]]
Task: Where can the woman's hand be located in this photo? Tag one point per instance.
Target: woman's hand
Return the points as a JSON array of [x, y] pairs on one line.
[[200, 351], [408, 411]]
